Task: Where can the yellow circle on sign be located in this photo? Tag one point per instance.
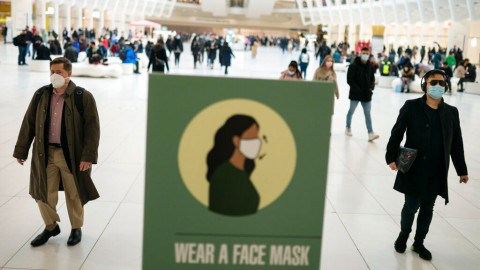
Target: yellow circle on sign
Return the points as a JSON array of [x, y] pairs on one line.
[[274, 167]]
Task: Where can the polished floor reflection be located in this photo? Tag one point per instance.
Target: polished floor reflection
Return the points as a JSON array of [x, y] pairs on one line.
[[362, 212]]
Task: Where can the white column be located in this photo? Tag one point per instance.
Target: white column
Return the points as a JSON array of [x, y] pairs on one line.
[[396, 42], [101, 23], [351, 36], [341, 33], [21, 15], [90, 19], [437, 32], [41, 18], [411, 29], [77, 22], [55, 25], [67, 17]]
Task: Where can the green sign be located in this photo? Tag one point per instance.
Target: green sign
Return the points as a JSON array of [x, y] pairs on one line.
[[236, 173]]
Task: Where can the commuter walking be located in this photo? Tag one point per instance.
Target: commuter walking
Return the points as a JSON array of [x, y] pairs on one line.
[[254, 47], [323, 51], [326, 73], [292, 73], [169, 45], [422, 54], [433, 129], [21, 41], [65, 145], [361, 78], [4, 34], [304, 60], [452, 63], [29, 36], [195, 48], [226, 56], [177, 48], [448, 75], [460, 73], [158, 57]]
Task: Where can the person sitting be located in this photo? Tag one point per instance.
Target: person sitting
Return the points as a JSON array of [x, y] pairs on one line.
[[421, 69], [471, 75], [43, 53], [104, 51], [448, 74], [292, 73], [337, 56], [394, 70], [71, 52], [407, 77], [131, 57], [54, 48], [94, 54]]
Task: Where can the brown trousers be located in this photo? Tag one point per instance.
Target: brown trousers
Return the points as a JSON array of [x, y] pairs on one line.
[[56, 167]]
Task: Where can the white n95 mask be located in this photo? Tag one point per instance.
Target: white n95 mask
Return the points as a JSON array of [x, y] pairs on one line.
[[57, 80], [250, 148]]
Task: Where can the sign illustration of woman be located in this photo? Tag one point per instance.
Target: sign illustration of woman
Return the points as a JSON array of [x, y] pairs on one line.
[[230, 164]]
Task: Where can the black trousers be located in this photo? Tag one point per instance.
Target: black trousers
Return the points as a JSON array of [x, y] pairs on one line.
[[177, 58], [411, 206]]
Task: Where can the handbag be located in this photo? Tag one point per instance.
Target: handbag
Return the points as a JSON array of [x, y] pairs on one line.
[[405, 158]]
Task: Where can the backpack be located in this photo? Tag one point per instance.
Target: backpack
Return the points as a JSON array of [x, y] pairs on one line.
[[305, 58], [123, 55], [78, 99], [16, 41]]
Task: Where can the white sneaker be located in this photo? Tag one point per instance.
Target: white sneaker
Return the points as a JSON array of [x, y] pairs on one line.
[[372, 136], [348, 131]]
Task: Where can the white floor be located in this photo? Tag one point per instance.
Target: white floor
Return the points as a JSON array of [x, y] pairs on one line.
[[362, 213]]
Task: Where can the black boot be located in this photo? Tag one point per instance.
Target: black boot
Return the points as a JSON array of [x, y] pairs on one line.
[[401, 242], [75, 237], [422, 251], [44, 236]]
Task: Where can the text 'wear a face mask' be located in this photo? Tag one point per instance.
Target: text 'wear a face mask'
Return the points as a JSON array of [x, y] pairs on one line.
[[57, 80], [436, 91], [250, 148], [365, 57]]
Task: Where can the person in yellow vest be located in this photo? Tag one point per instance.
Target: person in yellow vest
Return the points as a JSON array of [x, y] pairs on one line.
[[385, 68]]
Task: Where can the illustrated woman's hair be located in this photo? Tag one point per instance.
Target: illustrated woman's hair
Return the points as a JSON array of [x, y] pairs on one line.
[[223, 148]]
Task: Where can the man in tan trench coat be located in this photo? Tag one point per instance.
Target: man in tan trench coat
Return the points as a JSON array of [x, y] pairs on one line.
[[65, 131]]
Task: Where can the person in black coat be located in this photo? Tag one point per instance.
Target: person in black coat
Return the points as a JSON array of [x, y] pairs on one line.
[[432, 128], [43, 53], [37, 41], [226, 56], [471, 75], [158, 57], [361, 78], [177, 47], [71, 52], [29, 36], [195, 48], [22, 41]]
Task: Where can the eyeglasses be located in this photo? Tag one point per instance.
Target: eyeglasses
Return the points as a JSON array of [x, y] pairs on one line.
[[439, 82]]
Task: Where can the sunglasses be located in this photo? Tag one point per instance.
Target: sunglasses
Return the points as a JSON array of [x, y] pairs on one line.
[[439, 82]]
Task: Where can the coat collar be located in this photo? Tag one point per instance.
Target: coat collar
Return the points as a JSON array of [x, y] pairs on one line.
[[440, 106]]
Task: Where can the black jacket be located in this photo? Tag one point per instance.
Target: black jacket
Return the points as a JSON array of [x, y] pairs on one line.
[[71, 53], [361, 79], [177, 45], [414, 119], [43, 53], [158, 53], [37, 41]]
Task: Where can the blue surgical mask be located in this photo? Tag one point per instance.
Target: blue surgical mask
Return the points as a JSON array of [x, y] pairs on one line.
[[365, 57], [436, 91], [291, 72]]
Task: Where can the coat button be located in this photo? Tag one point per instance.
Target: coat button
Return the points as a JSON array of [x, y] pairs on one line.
[[41, 155], [424, 157], [39, 140], [428, 125]]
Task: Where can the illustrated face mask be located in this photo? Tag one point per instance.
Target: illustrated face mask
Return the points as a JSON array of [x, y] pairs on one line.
[[57, 80], [436, 91], [250, 148]]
